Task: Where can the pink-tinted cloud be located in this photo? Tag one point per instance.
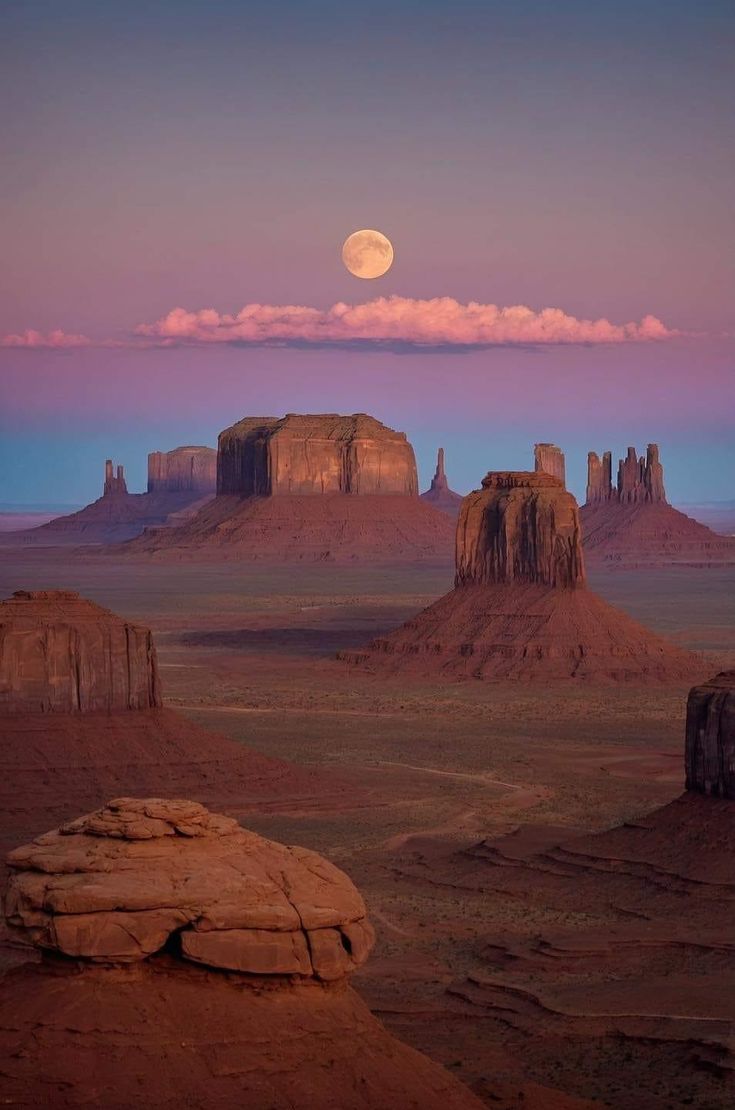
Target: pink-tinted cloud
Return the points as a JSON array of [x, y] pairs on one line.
[[36, 340], [440, 322]]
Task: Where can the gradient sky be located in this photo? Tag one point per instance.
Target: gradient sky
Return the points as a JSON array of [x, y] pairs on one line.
[[575, 155]]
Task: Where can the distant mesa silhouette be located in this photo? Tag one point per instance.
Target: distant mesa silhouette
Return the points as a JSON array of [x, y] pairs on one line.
[[439, 495], [179, 482], [629, 522], [520, 608], [322, 487]]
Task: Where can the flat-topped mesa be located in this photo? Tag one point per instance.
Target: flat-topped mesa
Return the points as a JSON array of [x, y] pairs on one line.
[[182, 470], [60, 653], [710, 737], [314, 454], [114, 480], [639, 480], [549, 459], [522, 526]]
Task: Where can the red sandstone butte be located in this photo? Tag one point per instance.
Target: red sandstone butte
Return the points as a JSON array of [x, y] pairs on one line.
[[81, 718], [630, 523], [439, 495], [549, 459], [203, 966], [316, 488], [520, 608], [179, 483]]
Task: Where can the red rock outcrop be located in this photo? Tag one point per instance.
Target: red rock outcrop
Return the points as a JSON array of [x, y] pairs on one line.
[[549, 459], [307, 455], [114, 482], [632, 524], [710, 737], [520, 527], [316, 488], [520, 607], [206, 965], [182, 470], [639, 479], [439, 495], [62, 654]]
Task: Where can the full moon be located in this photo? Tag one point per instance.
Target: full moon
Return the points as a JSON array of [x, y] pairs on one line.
[[367, 254]]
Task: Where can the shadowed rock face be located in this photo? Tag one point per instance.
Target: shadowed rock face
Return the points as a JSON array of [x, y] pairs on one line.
[[549, 459], [183, 469], [521, 527], [265, 456], [639, 480], [249, 1004], [710, 737], [62, 654]]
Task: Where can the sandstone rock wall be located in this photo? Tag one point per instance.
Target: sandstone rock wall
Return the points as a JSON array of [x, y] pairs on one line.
[[265, 456], [521, 527], [549, 459], [62, 654], [183, 469], [710, 737], [114, 480], [639, 480]]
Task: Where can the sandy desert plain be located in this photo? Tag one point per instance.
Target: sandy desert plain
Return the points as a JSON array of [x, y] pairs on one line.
[[424, 772]]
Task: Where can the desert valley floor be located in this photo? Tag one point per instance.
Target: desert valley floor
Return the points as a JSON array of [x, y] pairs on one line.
[[424, 774]]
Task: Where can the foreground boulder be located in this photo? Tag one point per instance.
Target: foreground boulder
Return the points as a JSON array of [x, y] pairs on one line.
[[710, 737], [60, 653], [520, 607], [206, 966]]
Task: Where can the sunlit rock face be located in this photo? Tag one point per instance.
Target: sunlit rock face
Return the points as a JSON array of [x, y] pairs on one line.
[[710, 737], [639, 480], [549, 459], [315, 455], [188, 962], [60, 653], [521, 527], [113, 886], [183, 469]]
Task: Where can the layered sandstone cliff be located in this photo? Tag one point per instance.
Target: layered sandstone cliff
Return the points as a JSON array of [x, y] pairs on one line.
[[549, 459], [439, 495], [182, 470], [520, 607], [639, 480], [631, 524], [710, 737], [305, 455], [311, 488], [520, 527], [62, 654], [206, 965]]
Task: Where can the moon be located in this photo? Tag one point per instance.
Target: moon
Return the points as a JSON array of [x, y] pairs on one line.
[[367, 253]]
